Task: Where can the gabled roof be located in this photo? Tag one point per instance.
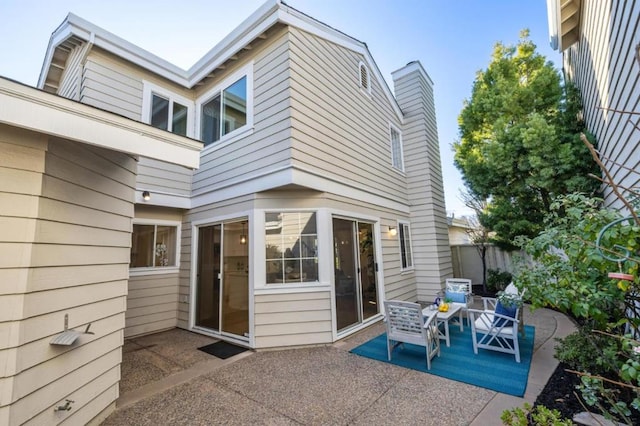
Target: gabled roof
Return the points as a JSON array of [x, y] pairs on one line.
[[74, 31]]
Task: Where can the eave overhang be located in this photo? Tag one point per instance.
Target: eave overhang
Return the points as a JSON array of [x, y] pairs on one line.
[[564, 23], [30, 108], [74, 30]]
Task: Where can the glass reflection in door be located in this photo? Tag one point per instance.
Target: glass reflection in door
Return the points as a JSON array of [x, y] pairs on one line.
[[208, 278], [222, 289], [355, 270], [235, 287]]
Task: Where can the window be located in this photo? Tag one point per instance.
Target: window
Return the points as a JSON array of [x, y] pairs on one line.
[[396, 148], [154, 246], [227, 108], [364, 77], [405, 246], [162, 109], [167, 111], [291, 244]]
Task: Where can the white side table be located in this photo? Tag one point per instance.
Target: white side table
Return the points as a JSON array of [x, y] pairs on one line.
[[443, 318]]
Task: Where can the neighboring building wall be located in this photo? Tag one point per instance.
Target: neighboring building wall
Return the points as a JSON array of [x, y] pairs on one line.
[[65, 233], [429, 229], [458, 236], [603, 65]]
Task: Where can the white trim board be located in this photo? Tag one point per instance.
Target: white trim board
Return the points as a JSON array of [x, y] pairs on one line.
[[28, 108]]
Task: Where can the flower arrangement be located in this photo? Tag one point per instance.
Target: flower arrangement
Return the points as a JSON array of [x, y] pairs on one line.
[[161, 254]]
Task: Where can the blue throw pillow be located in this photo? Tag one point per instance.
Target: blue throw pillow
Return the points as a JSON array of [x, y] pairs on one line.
[[455, 296], [509, 311]]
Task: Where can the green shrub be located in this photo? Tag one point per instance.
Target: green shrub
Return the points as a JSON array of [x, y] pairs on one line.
[[497, 280], [538, 416], [585, 350]]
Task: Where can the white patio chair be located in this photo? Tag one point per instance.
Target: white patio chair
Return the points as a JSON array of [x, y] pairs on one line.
[[459, 290], [405, 324], [495, 331]]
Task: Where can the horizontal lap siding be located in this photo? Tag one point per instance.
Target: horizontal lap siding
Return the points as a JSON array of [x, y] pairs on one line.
[[292, 319], [603, 66], [76, 235], [152, 304], [267, 148], [338, 130], [70, 80], [114, 85], [429, 230], [110, 85]]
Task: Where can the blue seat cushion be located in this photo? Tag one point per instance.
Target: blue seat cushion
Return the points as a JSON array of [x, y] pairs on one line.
[[508, 310], [456, 296]]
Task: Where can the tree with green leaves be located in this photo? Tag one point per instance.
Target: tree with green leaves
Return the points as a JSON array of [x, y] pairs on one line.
[[519, 145]]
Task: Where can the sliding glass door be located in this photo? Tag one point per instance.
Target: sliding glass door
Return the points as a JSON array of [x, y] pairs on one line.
[[222, 287], [355, 272]]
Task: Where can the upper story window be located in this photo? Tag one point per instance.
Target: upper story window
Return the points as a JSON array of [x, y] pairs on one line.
[[406, 255], [166, 110], [364, 77], [154, 245], [227, 109], [396, 148]]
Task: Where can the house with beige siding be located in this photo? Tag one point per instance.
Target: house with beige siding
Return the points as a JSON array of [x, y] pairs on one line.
[[67, 189], [598, 40], [316, 193]]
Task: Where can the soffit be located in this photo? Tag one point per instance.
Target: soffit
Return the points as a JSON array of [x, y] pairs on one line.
[[569, 25]]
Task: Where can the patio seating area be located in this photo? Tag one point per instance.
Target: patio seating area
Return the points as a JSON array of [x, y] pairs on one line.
[[166, 380]]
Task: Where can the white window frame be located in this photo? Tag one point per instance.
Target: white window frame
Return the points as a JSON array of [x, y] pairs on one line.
[[393, 128], [149, 89], [246, 71], [317, 256], [154, 270], [406, 231], [367, 89]]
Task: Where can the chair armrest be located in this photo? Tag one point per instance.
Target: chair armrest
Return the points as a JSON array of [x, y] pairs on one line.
[[489, 303]]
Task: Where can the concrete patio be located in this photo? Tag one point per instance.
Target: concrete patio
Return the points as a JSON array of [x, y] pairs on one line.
[[167, 381]]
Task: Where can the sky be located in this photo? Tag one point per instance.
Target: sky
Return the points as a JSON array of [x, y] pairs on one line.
[[453, 39]]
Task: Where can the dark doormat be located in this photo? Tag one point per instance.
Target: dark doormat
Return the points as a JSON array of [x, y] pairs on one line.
[[222, 349]]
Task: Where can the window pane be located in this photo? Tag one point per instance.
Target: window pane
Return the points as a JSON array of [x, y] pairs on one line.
[[142, 246], [160, 112], [235, 106], [396, 150], [403, 252], [165, 250], [291, 247], [309, 270], [179, 124], [210, 130]]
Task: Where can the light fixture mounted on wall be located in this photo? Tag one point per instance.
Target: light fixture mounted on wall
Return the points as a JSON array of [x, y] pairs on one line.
[[243, 236], [393, 231], [146, 196]]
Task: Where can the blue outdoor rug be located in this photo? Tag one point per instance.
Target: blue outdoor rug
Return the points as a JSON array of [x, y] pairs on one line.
[[489, 369]]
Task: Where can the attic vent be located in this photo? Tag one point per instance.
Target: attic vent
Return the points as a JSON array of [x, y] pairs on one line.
[[365, 82]]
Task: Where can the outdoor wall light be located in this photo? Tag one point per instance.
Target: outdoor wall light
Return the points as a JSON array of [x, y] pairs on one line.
[[393, 231], [146, 196]]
